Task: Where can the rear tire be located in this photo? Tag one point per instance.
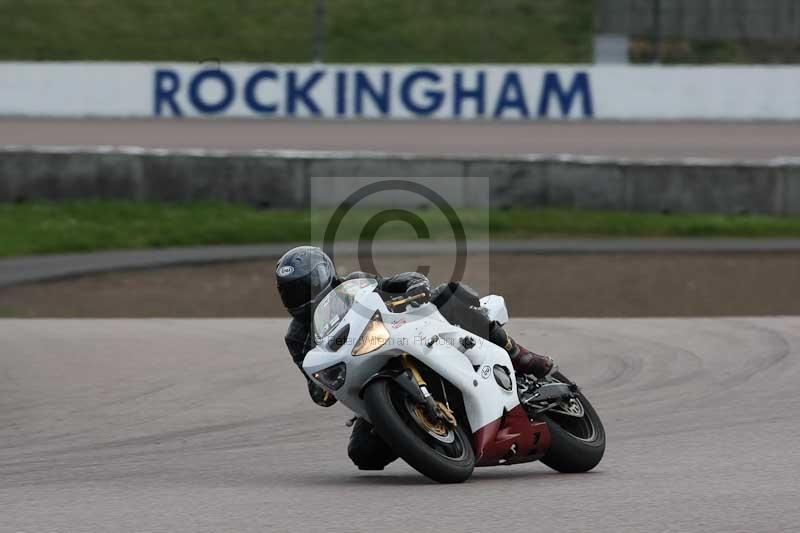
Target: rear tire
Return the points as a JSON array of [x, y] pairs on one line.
[[409, 442], [569, 453]]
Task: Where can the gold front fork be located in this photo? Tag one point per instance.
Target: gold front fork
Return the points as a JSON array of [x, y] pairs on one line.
[[409, 365], [443, 410]]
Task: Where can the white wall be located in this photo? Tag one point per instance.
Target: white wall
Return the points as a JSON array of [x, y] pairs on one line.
[[509, 92]]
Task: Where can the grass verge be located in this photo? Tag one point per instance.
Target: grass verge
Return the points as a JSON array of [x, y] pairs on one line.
[[354, 31], [83, 226]]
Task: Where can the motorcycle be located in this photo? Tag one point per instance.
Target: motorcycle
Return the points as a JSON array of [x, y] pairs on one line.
[[443, 399]]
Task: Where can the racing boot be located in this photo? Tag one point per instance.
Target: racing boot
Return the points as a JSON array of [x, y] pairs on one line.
[[523, 360], [527, 362]]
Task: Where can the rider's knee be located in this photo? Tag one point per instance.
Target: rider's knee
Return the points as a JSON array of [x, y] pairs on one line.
[[366, 450]]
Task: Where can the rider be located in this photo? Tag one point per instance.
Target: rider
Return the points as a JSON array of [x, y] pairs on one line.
[[306, 272]]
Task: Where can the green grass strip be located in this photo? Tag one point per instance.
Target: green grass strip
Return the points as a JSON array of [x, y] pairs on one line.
[[83, 226], [354, 31]]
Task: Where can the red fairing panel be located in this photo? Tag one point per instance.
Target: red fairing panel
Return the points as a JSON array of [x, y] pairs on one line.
[[512, 438]]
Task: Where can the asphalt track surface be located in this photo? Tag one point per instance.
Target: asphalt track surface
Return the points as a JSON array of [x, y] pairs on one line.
[[35, 268], [646, 140], [204, 425]]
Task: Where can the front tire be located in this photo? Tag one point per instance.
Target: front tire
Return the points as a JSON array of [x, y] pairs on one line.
[[576, 445], [445, 464]]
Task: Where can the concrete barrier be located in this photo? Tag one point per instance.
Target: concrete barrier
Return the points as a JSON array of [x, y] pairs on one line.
[[282, 178]]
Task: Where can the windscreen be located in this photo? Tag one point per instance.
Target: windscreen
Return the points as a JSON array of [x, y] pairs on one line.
[[337, 303]]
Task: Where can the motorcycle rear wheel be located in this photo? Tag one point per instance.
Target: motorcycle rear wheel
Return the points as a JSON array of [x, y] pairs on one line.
[[577, 445], [445, 458]]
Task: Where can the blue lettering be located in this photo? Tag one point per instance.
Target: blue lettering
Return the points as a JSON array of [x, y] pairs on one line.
[[552, 85], [166, 85], [341, 93], [460, 93], [434, 97], [511, 96], [295, 93], [380, 97], [252, 86], [214, 107]]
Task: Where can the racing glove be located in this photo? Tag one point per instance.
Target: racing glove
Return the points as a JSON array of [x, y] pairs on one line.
[[416, 287]]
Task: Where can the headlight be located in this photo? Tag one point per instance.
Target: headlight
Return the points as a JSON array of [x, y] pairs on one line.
[[332, 377], [374, 336]]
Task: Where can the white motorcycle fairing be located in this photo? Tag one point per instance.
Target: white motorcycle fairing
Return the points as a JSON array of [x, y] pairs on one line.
[[494, 413]]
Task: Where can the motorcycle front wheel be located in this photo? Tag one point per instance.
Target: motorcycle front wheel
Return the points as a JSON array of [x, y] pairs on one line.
[[578, 439], [440, 452]]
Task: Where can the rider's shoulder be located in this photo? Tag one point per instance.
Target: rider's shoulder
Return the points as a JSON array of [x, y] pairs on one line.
[[298, 330]]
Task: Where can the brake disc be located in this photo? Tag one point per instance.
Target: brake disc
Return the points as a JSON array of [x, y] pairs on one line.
[[437, 429]]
